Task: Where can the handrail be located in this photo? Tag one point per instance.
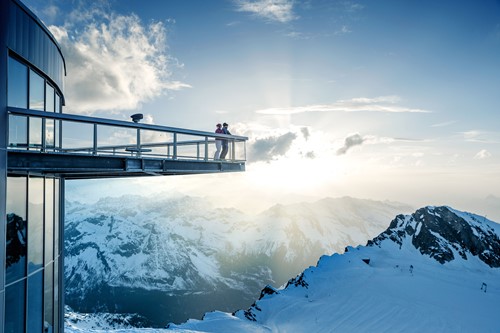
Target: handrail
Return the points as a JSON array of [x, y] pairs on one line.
[[118, 123], [137, 147]]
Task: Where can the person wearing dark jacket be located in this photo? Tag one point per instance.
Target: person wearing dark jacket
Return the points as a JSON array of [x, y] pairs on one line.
[[225, 143]]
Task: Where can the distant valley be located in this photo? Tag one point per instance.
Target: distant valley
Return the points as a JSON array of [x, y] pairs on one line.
[[170, 259]]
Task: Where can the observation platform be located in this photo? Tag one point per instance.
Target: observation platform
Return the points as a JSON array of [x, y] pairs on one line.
[[81, 147]]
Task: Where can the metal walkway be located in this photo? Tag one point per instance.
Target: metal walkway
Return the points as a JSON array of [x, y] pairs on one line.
[[80, 147]]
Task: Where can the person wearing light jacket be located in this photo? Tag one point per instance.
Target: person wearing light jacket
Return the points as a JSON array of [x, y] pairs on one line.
[[218, 142]]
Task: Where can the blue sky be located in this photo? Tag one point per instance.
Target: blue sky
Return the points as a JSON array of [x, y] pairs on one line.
[[392, 100]]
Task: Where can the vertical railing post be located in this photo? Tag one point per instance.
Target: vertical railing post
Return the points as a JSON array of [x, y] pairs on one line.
[[94, 143], [175, 147], [206, 148], [233, 155], [197, 150], [138, 142]]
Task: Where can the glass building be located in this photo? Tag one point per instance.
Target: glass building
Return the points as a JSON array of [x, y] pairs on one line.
[[41, 148]]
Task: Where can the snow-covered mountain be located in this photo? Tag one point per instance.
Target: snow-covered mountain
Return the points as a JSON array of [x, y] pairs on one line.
[[171, 259], [436, 270]]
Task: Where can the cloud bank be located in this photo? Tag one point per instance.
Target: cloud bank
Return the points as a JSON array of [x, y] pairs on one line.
[[114, 62], [377, 104], [267, 149]]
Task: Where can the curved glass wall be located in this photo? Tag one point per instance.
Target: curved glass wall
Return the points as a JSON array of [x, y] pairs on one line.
[[32, 41], [28, 89], [32, 254], [32, 202], [32, 71]]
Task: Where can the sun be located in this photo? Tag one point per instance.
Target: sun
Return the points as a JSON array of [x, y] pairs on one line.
[[297, 174]]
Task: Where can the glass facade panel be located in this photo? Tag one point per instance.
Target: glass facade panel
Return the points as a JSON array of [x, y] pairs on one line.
[[14, 309], [37, 91], [49, 124], [49, 98], [35, 133], [35, 223], [57, 124], [57, 278], [77, 135], [15, 260], [58, 103], [35, 302], [18, 131], [57, 218], [49, 220], [57, 133], [48, 303], [50, 128], [17, 84]]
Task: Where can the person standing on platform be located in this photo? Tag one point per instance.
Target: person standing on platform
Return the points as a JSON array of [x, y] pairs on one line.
[[218, 142], [225, 143]]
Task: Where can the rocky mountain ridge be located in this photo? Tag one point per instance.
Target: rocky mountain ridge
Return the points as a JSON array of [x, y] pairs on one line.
[[438, 252], [184, 246]]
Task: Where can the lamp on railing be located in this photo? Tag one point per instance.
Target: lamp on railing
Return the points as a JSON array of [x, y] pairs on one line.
[[136, 117]]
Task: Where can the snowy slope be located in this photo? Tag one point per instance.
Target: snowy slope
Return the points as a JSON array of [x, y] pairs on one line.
[[410, 284], [437, 270], [183, 246]]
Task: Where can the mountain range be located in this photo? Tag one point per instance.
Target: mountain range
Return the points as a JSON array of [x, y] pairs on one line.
[[435, 270], [170, 259]]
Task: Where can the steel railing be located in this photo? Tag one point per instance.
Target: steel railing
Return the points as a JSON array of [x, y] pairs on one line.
[[76, 134]]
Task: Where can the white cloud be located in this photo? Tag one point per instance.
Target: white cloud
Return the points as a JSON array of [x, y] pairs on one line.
[[272, 10], [483, 154], [377, 104], [51, 12], [471, 135], [444, 124], [481, 136], [113, 62], [343, 30]]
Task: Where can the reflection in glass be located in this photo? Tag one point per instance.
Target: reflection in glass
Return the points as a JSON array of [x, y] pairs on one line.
[[49, 133], [17, 84], [48, 300], [34, 306], [49, 220], [14, 311], [18, 131], [37, 85], [57, 123], [49, 98], [56, 295], [35, 223], [35, 135], [57, 194], [15, 260], [58, 103], [77, 135], [49, 123], [110, 137]]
